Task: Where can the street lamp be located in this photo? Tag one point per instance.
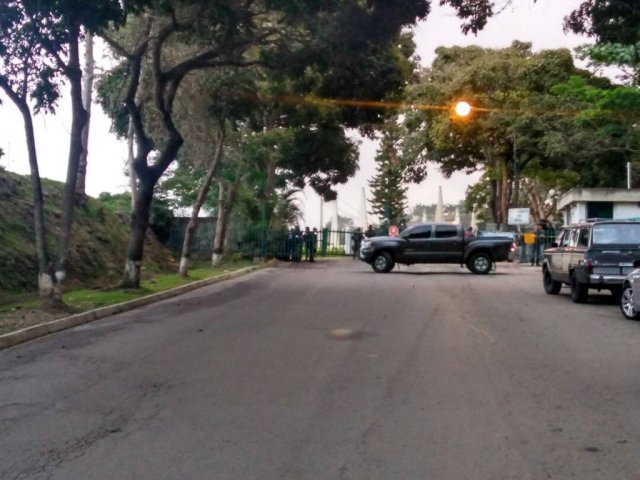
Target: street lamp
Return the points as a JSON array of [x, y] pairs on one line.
[[462, 109]]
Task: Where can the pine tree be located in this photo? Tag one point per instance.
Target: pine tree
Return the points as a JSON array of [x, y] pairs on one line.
[[389, 200]]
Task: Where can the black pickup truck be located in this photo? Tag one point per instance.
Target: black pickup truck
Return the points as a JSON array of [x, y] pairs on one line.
[[435, 243]]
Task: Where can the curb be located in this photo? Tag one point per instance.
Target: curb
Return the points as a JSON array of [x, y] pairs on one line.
[[20, 336]]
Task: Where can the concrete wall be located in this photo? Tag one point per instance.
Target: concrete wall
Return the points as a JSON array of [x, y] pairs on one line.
[[576, 212]]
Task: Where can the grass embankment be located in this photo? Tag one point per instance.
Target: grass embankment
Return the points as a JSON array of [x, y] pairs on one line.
[[24, 310]]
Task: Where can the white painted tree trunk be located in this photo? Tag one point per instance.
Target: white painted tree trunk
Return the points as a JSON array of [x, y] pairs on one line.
[[184, 266]]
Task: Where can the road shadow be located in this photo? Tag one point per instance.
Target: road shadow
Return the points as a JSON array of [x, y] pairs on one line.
[[433, 273]]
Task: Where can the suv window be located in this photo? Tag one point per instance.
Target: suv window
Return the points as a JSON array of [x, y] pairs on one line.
[[583, 238], [446, 231], [420, 232], [616, 233], [563, 241], [574, 237]]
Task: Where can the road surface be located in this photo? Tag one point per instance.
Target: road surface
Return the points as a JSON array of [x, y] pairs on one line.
[[329, 371]]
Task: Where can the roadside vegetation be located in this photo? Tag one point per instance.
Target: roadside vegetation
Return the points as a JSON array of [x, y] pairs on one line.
[[22, 310]]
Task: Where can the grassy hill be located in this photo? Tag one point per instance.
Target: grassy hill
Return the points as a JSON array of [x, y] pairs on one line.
[[98, 246]]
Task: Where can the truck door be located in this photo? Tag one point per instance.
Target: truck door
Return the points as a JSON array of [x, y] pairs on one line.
[[417, 244], [447, 246]]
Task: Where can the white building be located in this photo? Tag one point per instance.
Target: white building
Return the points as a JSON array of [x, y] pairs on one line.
[[607, 203]]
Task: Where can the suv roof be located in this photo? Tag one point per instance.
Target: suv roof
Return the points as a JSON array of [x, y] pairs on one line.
[[596, 221]]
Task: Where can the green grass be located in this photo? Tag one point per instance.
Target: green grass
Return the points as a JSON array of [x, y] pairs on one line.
[[80, 300]]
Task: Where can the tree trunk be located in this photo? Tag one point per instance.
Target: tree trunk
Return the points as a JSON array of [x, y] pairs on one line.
[[87, 95], [202, 194], [218, 239], [226, 199], [138, 229], [133, 183], [504, 193], [79, 118], [46, 278], [271, 180]]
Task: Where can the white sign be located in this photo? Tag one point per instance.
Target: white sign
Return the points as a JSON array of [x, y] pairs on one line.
[[518, 216]]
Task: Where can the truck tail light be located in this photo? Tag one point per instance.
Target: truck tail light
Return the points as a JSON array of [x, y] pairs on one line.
[[513, 247], [589, 263]]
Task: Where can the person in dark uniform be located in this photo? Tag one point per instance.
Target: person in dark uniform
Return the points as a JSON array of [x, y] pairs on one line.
[[307, 239], [356, 240], [297, 244], [370, 232], [313, 245]]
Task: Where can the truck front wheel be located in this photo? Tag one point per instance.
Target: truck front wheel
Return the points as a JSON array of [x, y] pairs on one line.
[[382, 263], [480, 263]]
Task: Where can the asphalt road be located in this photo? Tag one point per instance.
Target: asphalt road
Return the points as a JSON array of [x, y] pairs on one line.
[[329, 371]]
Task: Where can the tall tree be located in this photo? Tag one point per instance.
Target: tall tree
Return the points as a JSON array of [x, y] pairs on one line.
[[336, 40], [87, 97], [39, 46], [389, 193], [519, 128]]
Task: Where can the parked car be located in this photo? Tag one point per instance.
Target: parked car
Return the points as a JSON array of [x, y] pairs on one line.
[[630, 304], [591, 255], [435, 243]]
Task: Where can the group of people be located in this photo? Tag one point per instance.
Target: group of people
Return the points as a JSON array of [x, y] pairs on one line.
[[356, 239], [533, 244], [302, 243]]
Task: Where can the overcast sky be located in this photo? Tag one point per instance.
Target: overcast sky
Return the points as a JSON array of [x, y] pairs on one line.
[[539, 23]]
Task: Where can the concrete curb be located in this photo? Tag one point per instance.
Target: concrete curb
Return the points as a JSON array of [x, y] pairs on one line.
[[20, 336]]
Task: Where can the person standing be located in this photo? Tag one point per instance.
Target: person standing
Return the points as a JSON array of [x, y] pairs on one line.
[[537, 246], [313, 243], [370, 232], [307, 240], [529, 240], [297, 244], [468, 233], [356, 240]]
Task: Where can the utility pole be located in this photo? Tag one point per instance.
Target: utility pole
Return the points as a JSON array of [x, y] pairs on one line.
[[515, 171]]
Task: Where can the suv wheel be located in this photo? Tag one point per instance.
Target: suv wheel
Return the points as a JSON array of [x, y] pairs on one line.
[[551, 286], [480, 263], [626, 304], [579, 291], [382, 263]]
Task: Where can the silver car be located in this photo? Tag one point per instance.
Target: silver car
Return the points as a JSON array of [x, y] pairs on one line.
[[630, 303]]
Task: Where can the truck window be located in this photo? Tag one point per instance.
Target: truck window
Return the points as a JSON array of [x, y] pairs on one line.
[[420, 232], [566, 235], [446, 231]]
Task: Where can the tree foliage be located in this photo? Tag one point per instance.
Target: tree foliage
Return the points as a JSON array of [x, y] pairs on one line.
[[518, 117], [389, 192], [608, 21]]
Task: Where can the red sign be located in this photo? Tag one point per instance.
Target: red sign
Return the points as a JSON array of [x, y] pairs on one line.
[[393, 231]]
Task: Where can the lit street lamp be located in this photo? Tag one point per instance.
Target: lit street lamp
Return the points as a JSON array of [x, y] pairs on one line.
[[462, 109]]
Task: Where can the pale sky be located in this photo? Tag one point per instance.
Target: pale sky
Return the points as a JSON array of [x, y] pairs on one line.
[[539, 23]]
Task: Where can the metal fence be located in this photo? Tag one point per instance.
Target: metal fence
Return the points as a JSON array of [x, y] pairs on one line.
[[264, 243]]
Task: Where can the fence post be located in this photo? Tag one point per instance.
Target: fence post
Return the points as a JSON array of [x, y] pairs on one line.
[[325, 240]]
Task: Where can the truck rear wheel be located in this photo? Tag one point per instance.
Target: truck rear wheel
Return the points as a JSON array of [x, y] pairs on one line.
[[579, 291], [382, 263], [480, 263]]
